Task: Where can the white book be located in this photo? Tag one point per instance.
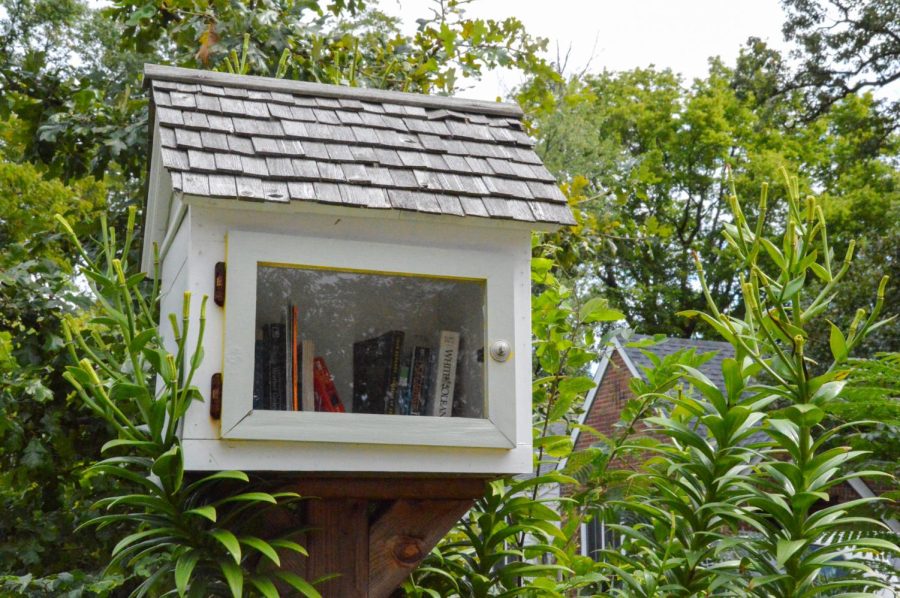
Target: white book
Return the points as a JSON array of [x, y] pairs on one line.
[[445, 379], [307, 397]]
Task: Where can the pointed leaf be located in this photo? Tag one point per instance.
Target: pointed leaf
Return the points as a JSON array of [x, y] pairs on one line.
[[183, 569], [234, 576], [786, 549], [229, 541]]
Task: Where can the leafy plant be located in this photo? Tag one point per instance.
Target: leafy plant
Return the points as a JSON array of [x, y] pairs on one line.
[[715, 475], [196, 537]]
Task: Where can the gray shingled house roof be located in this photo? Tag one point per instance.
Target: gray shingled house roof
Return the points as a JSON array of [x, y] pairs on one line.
[[712, 369], [256, 138]]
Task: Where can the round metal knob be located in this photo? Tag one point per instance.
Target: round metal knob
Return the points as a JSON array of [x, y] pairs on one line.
[[500, 351]]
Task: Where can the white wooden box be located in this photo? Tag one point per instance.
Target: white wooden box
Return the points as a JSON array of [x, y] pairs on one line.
[[244, 235], [387, 197]]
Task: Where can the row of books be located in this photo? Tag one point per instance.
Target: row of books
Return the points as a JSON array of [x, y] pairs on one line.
[[387, 379], [419, 381], [287, 375]]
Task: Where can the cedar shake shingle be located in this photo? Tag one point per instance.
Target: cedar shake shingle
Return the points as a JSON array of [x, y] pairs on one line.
[[262, 139]]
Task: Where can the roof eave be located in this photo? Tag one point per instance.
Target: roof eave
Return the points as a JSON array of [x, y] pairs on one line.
[[197, 77]]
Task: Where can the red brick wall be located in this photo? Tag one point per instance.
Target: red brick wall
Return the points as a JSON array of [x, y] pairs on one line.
[[609, 401]]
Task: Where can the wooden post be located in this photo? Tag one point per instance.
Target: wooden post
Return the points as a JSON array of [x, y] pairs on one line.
[[372, 532], [339, 543]]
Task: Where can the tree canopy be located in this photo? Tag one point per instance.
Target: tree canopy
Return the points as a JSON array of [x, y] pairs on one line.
[[649, 160]]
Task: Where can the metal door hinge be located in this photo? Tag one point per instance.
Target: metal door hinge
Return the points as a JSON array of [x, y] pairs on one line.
[[215, 396], [219, 289]]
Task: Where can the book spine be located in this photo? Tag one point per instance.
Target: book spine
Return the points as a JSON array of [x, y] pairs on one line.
[[307, 394], [276, 367], [260, 371], [445, 380], [394, 373], [325, 389], [419, 380], [288, 401], [295, 358], [403, 391]]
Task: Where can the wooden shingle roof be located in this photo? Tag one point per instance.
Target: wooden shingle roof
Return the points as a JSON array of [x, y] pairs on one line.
[[262, 139]]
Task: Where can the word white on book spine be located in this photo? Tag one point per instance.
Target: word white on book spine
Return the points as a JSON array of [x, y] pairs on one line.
[[448, 353]]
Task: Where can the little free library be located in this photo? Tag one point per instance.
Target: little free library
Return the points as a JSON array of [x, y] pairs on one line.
[[369, 256]]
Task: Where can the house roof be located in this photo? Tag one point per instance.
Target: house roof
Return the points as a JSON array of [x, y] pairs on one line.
[[255, 138], [712, 369]]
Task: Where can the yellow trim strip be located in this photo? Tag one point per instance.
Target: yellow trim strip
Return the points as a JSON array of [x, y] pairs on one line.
[[362, 271]]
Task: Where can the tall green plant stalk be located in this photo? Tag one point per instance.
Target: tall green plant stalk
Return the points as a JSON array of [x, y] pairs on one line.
[[183, 535], [736, 501], [790, 498]]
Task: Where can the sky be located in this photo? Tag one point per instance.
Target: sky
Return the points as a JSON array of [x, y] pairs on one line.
[[622, 34]]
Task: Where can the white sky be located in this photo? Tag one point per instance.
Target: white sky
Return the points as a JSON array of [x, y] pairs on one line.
[[678, 34]]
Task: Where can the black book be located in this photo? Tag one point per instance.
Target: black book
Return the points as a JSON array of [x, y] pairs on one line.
[[376, 373], [419, 380], [275, 343], [260, 372]]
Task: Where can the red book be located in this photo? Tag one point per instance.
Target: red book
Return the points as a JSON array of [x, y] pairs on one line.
[[326, 394]]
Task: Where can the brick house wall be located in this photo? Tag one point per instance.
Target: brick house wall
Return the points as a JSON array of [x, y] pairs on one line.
[[611, 396]]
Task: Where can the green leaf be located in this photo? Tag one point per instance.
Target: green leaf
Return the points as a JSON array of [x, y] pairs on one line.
[[265, 586], [838, 343], [141, 340], [234, 576], [263, 547], [289, 545], [804, 414], [785, 549], [773, 252], [229, 541], [219, 475], [169, 467], [207, 511], [793, 287], [598, 310], [299, 584], [126, 442], [820, 272], [249, 496], [183, 569]]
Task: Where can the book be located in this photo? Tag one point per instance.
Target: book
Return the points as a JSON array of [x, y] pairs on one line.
[[326, 393], [376, 371], [260, 371], [403, 394], [275, 346], [393, 394], [288, 402], [295, 357], [419, 376], [307, 391], [445, 374]]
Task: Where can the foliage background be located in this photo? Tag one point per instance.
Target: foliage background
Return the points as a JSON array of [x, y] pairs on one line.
[[642, 154]]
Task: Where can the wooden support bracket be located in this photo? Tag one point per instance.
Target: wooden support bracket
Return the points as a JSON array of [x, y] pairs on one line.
[[372, 532]]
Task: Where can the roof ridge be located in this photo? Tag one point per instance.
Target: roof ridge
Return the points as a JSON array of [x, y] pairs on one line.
[[153, 72]]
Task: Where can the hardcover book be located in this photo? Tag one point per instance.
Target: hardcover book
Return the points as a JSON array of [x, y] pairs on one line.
[[419, 377], [445, 379], [295, 357], [260, 372], [403, 394], [376, 372], [307, 396], [277, 386]]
